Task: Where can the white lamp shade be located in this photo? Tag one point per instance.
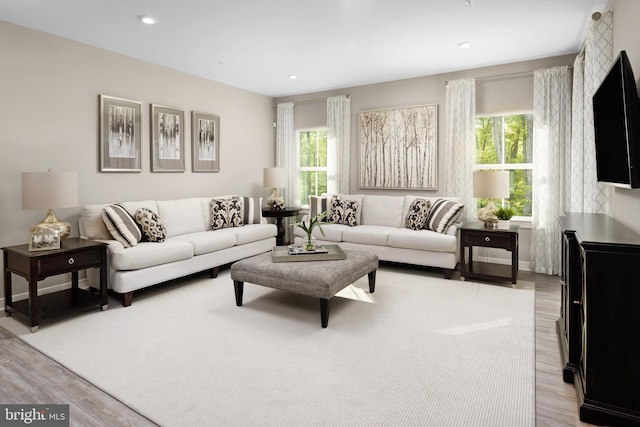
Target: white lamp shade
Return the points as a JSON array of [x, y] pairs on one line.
[[275, 178], [49, 190], [491, 184]]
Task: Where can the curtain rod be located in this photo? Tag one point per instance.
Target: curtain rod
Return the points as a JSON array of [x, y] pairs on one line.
[[506, 75], [310, 101]]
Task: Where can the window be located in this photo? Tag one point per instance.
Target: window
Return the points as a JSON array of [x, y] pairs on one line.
[[312, 171], [506, 143]]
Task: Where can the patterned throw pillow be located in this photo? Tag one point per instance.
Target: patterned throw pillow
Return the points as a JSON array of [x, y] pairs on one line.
[[418, 214], [344, 212], [226, 213], [121, 225], [443, 214], [251, 210], [153, 229]]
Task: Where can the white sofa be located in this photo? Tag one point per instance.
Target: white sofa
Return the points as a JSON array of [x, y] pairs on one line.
[[191, 246], [382, 230]]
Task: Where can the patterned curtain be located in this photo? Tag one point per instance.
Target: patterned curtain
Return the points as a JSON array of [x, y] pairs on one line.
[[286, 150], [460, 149], [590, 67], [551, 139], [338, 143]]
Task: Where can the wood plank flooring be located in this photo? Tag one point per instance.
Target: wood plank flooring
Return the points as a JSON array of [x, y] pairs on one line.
[[27, 376]]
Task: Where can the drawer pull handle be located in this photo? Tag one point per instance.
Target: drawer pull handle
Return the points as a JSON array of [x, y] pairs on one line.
[[71, 261], [487, 239]]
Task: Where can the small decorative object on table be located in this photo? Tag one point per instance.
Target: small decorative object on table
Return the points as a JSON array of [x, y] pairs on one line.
[[504, 216], [44, 241], [310, 243]]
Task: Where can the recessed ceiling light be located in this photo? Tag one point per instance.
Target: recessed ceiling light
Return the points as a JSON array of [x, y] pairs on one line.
[[464, 45], [147, 19], [292, 77]]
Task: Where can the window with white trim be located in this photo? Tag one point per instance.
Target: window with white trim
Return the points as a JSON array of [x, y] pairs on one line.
[[312, 163], [505, 142]]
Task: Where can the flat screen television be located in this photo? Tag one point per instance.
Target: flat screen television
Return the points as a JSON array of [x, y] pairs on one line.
[[616, 117]]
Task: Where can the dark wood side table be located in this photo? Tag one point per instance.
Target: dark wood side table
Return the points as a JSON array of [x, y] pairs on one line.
[[475, 234], [74, 255], [280, 215]]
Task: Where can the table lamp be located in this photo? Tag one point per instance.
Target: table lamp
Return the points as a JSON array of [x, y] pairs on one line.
[[275, 178], [490, 184], [49, 190]]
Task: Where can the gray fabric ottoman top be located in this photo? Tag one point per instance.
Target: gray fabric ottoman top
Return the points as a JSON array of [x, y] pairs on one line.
[[321, 279]]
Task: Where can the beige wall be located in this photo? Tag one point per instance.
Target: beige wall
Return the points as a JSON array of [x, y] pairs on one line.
[[49, 90], [499, 89], [626, 34]]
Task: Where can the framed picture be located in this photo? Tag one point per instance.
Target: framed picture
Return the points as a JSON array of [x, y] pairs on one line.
[[398, 148], [167, 139], [205, 142], [120, 135], [44, 241]]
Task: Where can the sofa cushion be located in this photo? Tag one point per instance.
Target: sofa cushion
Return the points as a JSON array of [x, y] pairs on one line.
[[226, 213], [251, 210], [443, 214], [332, 232], [383, 210], [418, 213], [254, 233], [367, 235], [181, 216], [209, 241], [426, 240], [344, 212], [148, 254], [152, 227], [121, 225]]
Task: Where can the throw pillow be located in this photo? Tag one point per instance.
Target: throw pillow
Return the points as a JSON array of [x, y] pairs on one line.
[[251, 210], [344, 212], [121, 225], [153, 229], [319, 204], [443, 213], [226, 213], [418, 214]]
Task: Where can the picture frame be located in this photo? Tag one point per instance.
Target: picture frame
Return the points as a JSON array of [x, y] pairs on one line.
[[167, 139], [120, 134], [44, 241], [205, 142], [399, 148]]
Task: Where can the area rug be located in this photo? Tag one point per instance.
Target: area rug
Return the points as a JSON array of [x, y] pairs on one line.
[[420, 351]]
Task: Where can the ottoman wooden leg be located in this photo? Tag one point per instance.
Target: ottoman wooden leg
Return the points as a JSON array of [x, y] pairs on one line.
[[324, 312], [238, 286], [372, 281]]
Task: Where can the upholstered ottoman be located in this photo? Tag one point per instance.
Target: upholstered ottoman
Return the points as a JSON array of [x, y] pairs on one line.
[[320, 279]]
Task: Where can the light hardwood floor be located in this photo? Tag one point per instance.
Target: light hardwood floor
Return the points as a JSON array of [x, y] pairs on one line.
[[27, 376]]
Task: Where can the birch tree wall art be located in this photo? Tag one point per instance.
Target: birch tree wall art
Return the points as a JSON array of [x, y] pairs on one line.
[[398, 148]]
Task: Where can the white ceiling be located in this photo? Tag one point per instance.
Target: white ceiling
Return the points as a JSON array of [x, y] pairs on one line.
[[327, 44]]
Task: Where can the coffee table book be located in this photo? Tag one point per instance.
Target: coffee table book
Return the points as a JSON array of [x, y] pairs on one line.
[[282, 254]]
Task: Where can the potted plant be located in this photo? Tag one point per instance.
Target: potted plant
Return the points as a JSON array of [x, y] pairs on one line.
[[310, 243], [504, 216]]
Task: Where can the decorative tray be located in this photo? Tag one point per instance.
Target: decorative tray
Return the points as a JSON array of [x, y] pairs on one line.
[[293, 253]]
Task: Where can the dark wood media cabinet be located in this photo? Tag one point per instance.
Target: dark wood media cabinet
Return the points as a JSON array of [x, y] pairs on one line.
[[599, 325]]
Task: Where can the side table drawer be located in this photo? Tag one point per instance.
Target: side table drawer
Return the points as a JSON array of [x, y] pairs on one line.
[[68, 262], [492, 240]]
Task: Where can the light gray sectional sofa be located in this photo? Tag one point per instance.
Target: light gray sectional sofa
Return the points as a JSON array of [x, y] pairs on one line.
[[190, 246], [382, 229]]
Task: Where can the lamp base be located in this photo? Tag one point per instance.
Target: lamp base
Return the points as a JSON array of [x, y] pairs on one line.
[[486, 214], [276, 202], [51, 223]]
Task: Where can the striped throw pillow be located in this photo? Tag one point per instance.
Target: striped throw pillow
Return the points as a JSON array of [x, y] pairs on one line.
[[121, 225], [319, 204], [252, 210], [443, 213]]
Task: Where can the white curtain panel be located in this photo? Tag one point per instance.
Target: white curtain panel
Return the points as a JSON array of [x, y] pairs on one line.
[[286, 150], [460, 149], [551, 138], [338, 143], [589, 68]]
